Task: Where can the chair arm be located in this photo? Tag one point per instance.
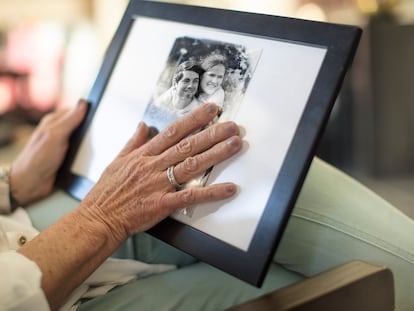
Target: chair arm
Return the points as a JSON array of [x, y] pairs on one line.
[[356, 286]]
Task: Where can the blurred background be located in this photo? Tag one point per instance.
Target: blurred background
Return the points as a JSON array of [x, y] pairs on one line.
[[50, 52]]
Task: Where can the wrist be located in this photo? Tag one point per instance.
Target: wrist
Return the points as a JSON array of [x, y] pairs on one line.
[[27, 185], [8, 201], [99, 225]]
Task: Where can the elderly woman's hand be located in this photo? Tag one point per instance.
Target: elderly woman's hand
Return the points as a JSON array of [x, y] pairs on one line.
[[34, 171], [134, 192]]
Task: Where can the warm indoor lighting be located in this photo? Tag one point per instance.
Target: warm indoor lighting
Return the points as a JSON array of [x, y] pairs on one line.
[[368, 6], [375, 6], [273, 7], [311, 11]]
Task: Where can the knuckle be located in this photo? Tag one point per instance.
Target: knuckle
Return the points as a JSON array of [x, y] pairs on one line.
[[209, 195], [170, 132], [188, 196], [191, 165], [184, 147], [212, 133]]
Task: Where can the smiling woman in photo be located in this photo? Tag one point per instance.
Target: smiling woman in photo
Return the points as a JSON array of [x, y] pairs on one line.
[[211, 89]]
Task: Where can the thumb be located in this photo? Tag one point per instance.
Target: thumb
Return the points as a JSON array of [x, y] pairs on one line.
[[139, 138], [74, 117]]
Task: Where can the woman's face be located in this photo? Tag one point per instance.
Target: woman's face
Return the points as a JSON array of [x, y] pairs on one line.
[[212, 79]]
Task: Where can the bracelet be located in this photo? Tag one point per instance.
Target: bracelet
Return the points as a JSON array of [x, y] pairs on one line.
[[8, 202]]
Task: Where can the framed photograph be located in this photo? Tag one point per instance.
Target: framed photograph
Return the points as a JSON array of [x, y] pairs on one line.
[[277, 77]]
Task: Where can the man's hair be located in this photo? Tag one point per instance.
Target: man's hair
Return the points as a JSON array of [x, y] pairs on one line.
[[189, 65]]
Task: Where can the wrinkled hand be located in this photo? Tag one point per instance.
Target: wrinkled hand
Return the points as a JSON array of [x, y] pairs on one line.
[[134, 193], [34, 171]]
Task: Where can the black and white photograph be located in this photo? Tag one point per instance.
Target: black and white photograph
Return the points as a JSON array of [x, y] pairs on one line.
[[198, 71]]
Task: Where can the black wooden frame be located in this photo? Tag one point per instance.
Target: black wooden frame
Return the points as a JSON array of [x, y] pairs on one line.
[[339, 40]]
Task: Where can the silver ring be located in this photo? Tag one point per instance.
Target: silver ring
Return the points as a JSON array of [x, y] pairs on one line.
[[171, 178]]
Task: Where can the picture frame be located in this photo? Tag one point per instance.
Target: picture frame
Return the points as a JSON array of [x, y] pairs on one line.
[[281, 79]]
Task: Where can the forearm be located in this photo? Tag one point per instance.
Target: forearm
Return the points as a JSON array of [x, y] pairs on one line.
[[67, 253], [133, 194]]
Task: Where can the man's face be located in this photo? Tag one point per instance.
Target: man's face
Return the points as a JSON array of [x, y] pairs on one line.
[[212, 79], [187, 87]]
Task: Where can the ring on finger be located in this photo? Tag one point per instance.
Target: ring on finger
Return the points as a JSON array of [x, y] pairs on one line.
[[171, 178]]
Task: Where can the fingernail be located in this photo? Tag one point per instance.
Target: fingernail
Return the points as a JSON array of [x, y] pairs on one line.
[[231, 128], [81, 104], [233, 142], [152, 132], [210, 108], [231, 189]]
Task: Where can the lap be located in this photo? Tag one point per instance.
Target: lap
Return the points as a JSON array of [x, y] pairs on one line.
[[196, 286], [335, 220]]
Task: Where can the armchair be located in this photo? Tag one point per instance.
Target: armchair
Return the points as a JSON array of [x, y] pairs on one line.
[[356, 286]]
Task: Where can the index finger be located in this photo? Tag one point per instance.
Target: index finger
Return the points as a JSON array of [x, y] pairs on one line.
[[173, 133]]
